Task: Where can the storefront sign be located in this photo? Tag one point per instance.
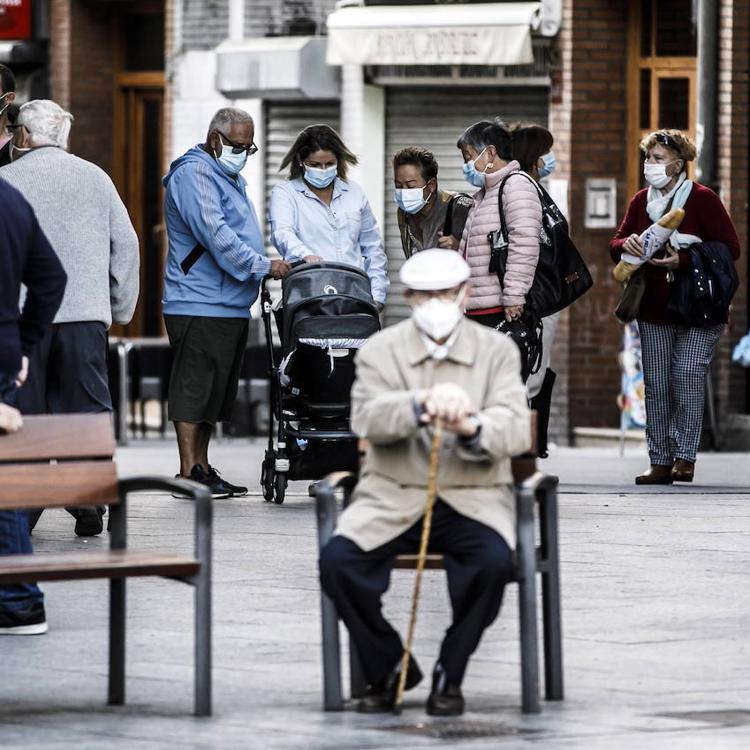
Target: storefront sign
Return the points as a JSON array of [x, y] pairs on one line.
[[502, 45], [15, 19], [475, 34]]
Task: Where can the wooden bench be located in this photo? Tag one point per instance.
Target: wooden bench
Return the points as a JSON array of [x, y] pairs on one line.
[[534, 491], [66, 460]]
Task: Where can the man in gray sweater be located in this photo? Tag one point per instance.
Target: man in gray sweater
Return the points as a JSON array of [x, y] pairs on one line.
[[88, 226]]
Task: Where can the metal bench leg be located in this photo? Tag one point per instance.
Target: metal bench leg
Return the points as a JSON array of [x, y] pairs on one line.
[[527, 604], [333, 698], [203, 544], [553, 657], [116, 692], [117, 607], [357, 681]]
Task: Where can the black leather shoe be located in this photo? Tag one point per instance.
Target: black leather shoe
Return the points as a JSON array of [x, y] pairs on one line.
[[381, 698], [657, 474], [445, 698], [89, 520]]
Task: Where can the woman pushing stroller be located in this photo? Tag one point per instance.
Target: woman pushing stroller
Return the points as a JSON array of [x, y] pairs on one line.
[[318, 214]]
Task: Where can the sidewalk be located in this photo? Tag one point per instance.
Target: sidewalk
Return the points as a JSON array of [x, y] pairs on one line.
[[655, 609]]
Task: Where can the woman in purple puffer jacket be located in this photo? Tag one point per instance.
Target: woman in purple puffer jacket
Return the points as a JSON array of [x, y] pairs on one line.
[[487, 152]]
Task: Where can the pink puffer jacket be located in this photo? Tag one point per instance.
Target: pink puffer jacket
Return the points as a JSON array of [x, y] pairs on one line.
[[523, 217]]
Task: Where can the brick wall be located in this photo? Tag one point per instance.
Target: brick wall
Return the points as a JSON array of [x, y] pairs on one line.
[[91, 81], [598, 148], [559, 125], [59, 31], [734, 157]]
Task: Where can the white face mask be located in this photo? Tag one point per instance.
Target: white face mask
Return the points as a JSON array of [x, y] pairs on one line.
[[438, 318], [411, 200], [656, 174], [16, 152], [231, 163], [320, 178]]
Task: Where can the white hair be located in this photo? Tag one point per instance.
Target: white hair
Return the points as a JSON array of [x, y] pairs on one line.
[[226, 116], [48, 123]]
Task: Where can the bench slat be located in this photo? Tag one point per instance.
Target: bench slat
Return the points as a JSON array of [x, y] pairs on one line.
[[57, 485], [60, 436], [106, 564]]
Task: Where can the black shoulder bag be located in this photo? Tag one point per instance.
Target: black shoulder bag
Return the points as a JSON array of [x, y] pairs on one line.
[[561, 275], [448, 224]]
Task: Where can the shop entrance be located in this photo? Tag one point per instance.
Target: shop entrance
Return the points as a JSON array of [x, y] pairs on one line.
[[662, 88]]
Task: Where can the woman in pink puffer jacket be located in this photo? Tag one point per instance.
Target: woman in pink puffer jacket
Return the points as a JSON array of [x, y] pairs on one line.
[[486, 148]]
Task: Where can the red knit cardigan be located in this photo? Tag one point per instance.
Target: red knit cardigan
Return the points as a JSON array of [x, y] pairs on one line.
[[705, 217]]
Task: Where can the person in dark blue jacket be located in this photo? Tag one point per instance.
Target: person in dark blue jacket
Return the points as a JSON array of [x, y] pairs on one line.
[[215, 264], [25, 257]]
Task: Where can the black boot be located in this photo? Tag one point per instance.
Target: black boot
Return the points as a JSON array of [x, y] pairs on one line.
[[445, 698], [381, 698], [542, 404]]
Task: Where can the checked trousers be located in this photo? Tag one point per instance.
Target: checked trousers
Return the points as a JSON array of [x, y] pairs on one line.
[[675, 362]]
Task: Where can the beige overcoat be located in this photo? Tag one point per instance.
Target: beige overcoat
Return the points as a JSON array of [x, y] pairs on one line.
[[391, 369]]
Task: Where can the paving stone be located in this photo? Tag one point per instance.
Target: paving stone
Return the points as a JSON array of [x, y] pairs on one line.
[[655, 602]]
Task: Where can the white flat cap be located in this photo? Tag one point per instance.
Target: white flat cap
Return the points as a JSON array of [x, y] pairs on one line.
[[434, 269]]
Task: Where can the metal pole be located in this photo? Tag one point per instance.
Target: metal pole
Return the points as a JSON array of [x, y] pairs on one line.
[[708, 80]]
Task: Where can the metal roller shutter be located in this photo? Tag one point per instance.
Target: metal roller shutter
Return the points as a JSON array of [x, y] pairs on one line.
[[284, 120], [434, 118]]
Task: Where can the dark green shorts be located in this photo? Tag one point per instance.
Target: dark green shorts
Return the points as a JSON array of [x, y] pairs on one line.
[[208, 356]]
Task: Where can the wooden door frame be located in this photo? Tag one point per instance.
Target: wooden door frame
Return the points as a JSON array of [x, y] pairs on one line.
[[125, 175], [660, 67]]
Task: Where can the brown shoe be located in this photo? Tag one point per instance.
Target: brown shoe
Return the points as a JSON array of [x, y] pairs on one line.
[[657, 474], [682, 470]]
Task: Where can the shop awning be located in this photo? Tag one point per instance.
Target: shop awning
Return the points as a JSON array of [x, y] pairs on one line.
[[473, 34]]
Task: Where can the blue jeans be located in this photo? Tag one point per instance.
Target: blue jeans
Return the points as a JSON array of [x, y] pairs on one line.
[[15, 538]]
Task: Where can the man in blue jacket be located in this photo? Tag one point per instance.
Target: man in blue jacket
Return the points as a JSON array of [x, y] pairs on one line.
[[215, 264]]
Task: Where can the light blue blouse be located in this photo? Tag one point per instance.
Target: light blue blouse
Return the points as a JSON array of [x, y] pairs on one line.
[[345, 231]]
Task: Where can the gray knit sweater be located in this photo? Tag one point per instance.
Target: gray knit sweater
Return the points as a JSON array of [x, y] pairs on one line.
[[88, 226]]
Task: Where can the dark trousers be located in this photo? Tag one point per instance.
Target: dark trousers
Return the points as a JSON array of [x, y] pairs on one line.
[[478, 563], [68, 374], [14, 529], [68, 371]]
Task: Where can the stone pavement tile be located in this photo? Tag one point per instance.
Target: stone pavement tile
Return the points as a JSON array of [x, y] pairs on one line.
[[654, 585]]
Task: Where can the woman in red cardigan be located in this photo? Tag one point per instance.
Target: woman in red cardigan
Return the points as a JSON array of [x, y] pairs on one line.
[[675, 357]]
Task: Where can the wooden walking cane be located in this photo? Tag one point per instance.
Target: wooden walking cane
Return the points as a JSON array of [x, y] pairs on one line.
[[421, 559]]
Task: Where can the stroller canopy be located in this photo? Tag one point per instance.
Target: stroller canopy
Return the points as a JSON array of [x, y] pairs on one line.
[[327, 301]]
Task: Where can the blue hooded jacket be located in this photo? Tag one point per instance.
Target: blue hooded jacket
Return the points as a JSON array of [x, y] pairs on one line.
[[216, 257]]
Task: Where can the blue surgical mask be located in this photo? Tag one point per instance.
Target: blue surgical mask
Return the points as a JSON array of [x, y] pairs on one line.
[[548, 165], [231, 163], [320, 178], [411, 200], [471, 175]]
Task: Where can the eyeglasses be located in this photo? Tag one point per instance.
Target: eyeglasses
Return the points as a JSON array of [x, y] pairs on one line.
[[238, 148], [666, 140]]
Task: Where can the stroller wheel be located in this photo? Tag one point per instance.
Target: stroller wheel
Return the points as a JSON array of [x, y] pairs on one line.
[[281, 482], [267, 476]]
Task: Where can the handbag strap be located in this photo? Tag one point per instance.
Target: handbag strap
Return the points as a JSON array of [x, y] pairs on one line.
[[544, 199], [448, 223]]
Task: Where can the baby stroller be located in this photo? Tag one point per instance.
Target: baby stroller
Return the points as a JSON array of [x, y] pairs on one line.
[[327, 313]]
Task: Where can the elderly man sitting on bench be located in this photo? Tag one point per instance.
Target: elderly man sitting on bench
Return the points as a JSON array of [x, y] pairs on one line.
[[437, 365]]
